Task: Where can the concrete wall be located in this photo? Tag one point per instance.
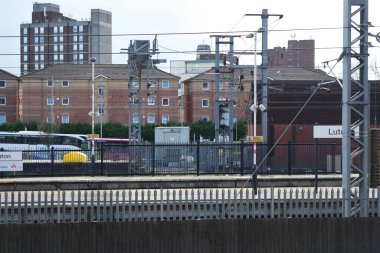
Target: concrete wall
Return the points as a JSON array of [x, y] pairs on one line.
[[264, 235]]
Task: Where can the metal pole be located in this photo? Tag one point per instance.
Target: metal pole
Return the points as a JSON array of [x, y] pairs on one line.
[[264, 84], [254, 112], [93, 60]]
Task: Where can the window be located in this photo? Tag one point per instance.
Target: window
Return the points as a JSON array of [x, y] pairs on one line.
[[61, 58], [65, 83], [50, 100], [25, 31], [65, 101], [25, 40], [42, 57], [25, 58], [135, 84], [50, 83], [65, 118], [135, 101], [55, 39], [101, 109], [3, 83], [205, 119], [35, 30], [42, 65], [151, 119], [205, 86], [205, 103], [75, 38], [101, 91], [165, 119], [81, 47], [220, 86], [80, 38], [61, 29], [3, 101], [3, 118], [136, 119], [151, 101], [75, 29], [36, 57], [61, 39], [42, 29], [42, 39], [25, 49], [42, 49], [81, 28], [165, 102], [75, 47], [35, 39], [55, 29], [165, 84], [36, 49], [55, 58], [61, 48]]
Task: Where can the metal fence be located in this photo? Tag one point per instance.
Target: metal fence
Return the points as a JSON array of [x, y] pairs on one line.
[[183, 204], [196, 158]]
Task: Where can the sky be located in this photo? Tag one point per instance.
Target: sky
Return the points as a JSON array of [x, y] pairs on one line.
[[181, 25]]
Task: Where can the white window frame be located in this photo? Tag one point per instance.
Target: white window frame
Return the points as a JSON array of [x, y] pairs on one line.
[[101, 108], [203, 103], [3, 100], [135, 119], [50, 83], [65, 118], [164, 99], [3, 118], [165, 119], [151, 101], [65, 100], [151, 119], [3, 84], [65, 83], [50, 100], [165, 84], [203, 86]]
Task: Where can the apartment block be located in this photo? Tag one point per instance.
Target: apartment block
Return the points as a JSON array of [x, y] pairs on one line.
[[52, 38], [9, 94], [63, 94]]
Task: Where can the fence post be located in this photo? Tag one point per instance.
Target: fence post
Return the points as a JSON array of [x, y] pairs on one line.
[[289, 158], [153, 158], [198, 153], [52, 160], [316, 166], [241, 157], [101, 159]]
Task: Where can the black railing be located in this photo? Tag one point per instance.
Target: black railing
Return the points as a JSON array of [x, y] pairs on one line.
[[174, 159]]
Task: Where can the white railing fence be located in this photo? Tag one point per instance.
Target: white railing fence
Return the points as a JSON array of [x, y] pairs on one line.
[[178, 204]]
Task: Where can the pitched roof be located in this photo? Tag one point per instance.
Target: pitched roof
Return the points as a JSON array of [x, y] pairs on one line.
[[7, 76], [84, 71], [275, 73]]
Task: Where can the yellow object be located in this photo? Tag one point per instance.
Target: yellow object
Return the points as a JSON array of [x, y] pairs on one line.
[[75, 157], [255, 138], [92, 136]]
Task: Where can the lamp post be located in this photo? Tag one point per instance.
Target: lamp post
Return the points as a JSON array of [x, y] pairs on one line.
[[254, 106], [93, 60]]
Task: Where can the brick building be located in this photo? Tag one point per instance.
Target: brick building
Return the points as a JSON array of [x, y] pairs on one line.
[[300, 53], [62, 94], [53, 38], [9, 94]]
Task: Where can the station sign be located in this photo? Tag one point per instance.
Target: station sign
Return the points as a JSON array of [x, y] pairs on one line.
[[11, 161], [330, 131]]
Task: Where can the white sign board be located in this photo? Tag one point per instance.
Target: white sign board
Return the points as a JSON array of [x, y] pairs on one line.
[[11, 161], [334, 131]]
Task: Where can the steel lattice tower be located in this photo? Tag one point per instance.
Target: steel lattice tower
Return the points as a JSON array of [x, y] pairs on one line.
[[355, 110]]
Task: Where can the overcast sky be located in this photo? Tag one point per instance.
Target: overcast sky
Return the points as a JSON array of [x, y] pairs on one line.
[[303, 19]]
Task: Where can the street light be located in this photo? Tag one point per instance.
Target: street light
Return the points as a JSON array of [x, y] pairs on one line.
[[93, 60], [254, 106]]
